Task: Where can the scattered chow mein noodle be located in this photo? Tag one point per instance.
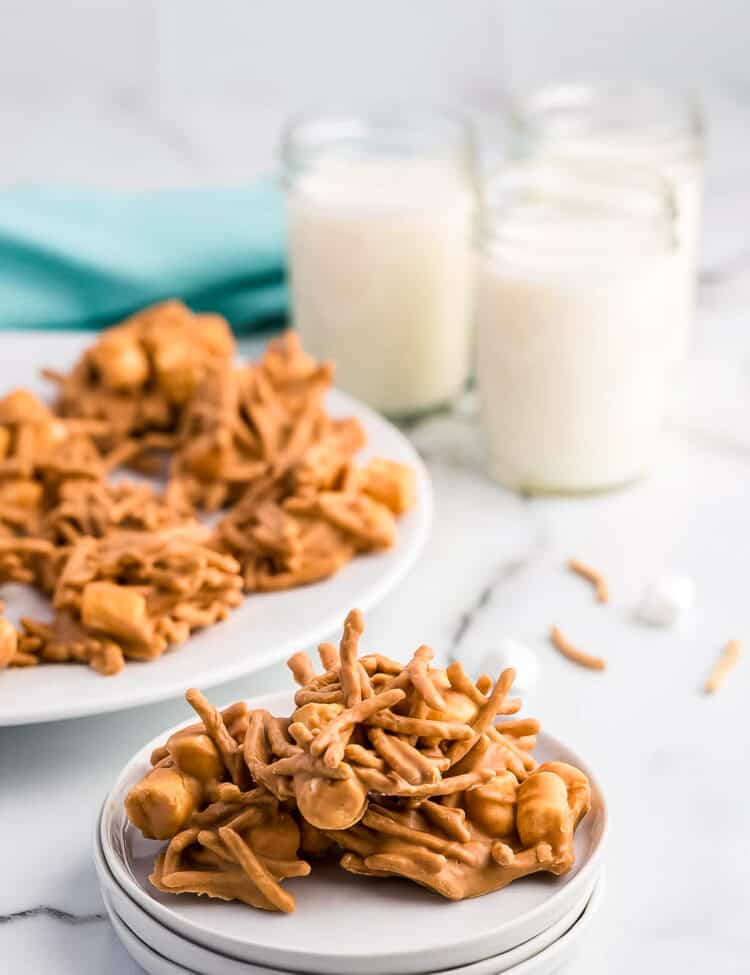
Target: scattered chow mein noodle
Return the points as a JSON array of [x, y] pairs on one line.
[[593, 576], [129, 569], [395, 771], [567, 649], [723, 666]]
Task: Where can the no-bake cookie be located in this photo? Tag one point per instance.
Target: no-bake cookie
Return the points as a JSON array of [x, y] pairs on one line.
[[393, 770]]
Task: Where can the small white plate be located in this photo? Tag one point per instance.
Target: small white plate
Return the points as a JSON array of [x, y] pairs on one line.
[[184, 952], [146, 957], [568, 934], [265, 629], [167, 943], [546, 962], [380, 925]]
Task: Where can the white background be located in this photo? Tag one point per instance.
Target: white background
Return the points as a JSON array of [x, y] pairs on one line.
[[149, 92]]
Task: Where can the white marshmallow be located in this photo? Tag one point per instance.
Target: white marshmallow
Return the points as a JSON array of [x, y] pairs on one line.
[[512, 653], [666, 599]]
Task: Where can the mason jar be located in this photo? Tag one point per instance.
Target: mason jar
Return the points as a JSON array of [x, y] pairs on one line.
[[575, 279], [380, 208], [630, 124]]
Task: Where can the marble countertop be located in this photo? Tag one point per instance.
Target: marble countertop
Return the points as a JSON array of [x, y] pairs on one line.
[[669, 756]]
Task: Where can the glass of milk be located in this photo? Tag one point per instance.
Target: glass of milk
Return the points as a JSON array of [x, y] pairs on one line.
[[381, 208], [575, 283], [636, 124]]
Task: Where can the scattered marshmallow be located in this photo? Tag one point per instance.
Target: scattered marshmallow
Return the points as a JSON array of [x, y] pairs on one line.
[[666, 599], [512, 653]]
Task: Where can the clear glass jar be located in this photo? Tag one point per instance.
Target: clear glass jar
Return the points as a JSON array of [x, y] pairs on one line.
[[627, 124], [575, 277], [381, 207]]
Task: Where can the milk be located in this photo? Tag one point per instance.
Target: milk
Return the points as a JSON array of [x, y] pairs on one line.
[[574, 343], [630, 124], [382, 275], [684, 171]]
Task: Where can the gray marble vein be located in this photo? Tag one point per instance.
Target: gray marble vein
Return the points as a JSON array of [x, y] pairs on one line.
[[503, 573], [56, 913], [507, 570]]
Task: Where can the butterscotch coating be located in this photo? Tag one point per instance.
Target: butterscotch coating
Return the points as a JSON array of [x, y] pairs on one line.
[[179, 371], [448, 877], [21, 406], [577, 786], [170, 582], [127, 573], [315, 716], [118, 610], [237, 843], [120, 360], [492, 807], [542, 808], [398, 771], [390, 483], [196, 756], [315, 842], [278, 838], [139, 373], [551, 803], [22, 493], [224, 862], [368, 523], [330, 803], [8, 642], [29, 433], [458, 707], [393, 842], [162, 802]]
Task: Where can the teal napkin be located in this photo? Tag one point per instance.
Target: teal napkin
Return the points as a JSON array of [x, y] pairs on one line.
[[84, 258]]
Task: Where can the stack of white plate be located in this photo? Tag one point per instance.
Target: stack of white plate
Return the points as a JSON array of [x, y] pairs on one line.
[[347, 925]]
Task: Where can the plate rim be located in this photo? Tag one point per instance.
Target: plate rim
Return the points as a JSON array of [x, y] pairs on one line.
[[566, 942], [299, 961], [125, 935], [149, 692], [112, 903], [114, 896]]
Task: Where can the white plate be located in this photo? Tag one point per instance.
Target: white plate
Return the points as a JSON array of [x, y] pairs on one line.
[[167, 943], [265, 629], [179, 949], [546, 962], [568, 930], [559, 953], [146, 957], [380, 925]]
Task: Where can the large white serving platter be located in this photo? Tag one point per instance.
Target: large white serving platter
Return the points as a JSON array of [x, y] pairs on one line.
[[264, 630], [346, 924]]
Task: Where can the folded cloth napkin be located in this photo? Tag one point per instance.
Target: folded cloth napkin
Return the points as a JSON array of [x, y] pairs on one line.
[[84, 258]]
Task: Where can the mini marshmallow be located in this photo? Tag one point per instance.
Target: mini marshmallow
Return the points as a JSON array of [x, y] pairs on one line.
[[512, 653], [666, 599]]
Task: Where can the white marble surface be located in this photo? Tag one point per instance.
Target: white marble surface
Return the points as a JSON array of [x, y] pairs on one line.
[[671, 758], [166, 92]]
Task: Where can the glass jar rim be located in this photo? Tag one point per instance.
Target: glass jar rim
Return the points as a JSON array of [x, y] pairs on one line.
[[522, 201], [399, 127], [570, 110]]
